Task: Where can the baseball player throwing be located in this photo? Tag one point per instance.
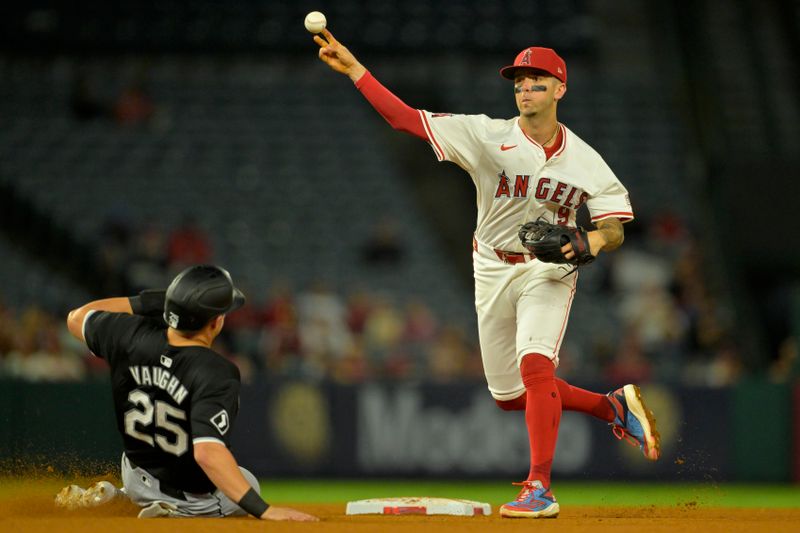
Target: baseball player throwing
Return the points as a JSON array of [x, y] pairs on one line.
[[528, 168], [176, 400]]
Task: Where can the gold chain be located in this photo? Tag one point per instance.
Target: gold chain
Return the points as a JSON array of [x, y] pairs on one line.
[[558, 128]]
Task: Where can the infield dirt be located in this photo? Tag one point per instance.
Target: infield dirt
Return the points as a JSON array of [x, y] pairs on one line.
[[29, 507]]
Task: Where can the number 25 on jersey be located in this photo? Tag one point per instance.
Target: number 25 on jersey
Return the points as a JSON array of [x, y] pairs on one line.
[[139, 423]]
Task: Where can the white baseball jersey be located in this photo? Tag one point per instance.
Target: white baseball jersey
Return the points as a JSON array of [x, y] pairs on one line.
[[522, 307], [515, 182]]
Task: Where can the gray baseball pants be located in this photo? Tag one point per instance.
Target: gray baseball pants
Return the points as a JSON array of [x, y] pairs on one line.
[[143, 489]]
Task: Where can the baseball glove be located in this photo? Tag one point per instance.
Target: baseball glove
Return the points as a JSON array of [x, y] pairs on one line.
[[544, 240]]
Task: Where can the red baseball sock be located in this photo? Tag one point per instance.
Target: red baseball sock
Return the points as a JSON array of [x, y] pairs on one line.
[[577, 399], [572, 399], [542, 413]]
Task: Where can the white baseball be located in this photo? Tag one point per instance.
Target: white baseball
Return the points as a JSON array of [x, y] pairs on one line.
[[315, 22]]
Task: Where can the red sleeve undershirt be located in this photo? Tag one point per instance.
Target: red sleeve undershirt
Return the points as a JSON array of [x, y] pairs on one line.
[[399, 115], [404, 118]]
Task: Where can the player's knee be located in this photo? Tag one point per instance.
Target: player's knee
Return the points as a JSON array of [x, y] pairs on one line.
[[537, 368], [517, 404]]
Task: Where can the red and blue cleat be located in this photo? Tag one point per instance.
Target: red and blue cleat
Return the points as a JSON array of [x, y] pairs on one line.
[[634, 422], [534, 501]]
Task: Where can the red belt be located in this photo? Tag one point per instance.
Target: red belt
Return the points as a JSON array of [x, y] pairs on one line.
[[512, 258]]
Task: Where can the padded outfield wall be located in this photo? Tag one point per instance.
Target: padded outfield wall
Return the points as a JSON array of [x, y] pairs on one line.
[[427, 430]]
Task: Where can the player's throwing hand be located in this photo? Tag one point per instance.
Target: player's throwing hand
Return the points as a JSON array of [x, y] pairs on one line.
[[338, 57]]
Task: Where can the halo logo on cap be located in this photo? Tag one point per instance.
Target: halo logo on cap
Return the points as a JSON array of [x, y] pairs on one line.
[[526, 59]]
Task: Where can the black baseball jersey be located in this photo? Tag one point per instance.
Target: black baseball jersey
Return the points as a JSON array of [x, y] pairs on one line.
[[166, 397]]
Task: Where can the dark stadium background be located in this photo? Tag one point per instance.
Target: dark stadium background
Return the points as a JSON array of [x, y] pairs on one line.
[[138, 136]]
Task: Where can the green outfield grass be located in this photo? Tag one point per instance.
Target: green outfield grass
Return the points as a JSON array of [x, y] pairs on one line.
[[568, 493]]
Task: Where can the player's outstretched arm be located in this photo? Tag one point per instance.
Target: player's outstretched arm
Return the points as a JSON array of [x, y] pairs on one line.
[[399, 115], [221, 468], [338, 57]]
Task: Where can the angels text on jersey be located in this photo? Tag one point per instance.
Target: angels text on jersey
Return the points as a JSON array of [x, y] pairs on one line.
[[547, 190]]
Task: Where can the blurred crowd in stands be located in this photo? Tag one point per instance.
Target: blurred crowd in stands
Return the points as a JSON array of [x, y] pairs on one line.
[[669, 323], [134, 257], [133, 105], [672, 325]]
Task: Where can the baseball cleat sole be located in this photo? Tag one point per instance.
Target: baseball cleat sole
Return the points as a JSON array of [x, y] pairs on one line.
[[69, 497], [98, 494], [633, 396]]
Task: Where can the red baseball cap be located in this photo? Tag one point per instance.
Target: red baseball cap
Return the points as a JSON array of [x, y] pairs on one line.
[[536, 57]]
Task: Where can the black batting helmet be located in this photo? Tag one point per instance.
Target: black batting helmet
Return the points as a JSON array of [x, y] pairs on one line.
[[197, 295]]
